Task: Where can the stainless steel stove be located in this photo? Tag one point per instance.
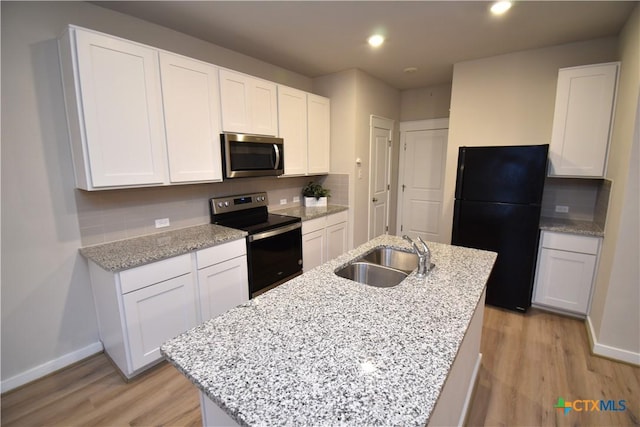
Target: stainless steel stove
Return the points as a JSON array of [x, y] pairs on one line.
[[274, 243]]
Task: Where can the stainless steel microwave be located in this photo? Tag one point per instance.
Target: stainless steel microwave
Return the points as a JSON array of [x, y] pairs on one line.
[[251, 155]]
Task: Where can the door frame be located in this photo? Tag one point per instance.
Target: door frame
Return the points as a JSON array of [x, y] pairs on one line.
[[412, 126], [383, 123]]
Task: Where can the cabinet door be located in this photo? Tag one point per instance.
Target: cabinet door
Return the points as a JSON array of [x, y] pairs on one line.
[[264, 107], [319, 131], [121, 110], [582, 120], [234, 101], [191, 112], [157, 313], [292, 122], [336, 240], [222, 286], [313, 249], [564, 279]]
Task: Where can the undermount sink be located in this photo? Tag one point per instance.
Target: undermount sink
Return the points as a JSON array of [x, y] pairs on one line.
[[372, 274], [394, 258]]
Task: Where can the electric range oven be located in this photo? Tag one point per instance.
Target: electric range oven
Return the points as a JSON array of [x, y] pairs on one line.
[[274, 242]]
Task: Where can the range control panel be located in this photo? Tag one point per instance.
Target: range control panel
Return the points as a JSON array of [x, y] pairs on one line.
[[240, 202]]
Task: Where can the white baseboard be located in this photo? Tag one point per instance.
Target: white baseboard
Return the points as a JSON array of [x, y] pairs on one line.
[[470, 390], [50, 366], [608, 351]]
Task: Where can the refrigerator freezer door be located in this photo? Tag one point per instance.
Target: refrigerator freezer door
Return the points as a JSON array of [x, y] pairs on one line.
[[511, 231], [511, 174]]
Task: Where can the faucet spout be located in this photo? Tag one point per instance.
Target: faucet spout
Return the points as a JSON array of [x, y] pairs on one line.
[[424, 255]]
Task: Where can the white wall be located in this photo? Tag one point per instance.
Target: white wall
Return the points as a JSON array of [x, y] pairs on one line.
[[430, 102], [615, 314], [48, 318], [509, 100], [341, 88], [355, 96], [374, 97]]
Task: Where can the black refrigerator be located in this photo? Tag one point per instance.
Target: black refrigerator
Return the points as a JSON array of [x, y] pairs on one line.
[[497, 207]]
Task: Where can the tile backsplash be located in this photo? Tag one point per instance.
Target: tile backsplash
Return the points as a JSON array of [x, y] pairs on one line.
[[586, 199], [105, 216]]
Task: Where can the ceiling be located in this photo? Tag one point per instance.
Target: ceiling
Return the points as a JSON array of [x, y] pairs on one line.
[[314, 38]]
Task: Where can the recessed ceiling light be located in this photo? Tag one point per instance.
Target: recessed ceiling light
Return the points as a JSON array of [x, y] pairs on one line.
[[500, 7], [410, 70], [375, 40]]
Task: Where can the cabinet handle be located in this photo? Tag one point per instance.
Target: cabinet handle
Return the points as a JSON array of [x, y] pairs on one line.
[[374, 200]]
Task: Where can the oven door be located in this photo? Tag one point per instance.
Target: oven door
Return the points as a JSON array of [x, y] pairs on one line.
[[274, 256], [248, 156]]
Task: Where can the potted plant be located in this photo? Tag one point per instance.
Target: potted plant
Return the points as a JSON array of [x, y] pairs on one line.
[[315, 194]]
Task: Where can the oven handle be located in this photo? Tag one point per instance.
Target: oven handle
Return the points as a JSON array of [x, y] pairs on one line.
[[274, 232]]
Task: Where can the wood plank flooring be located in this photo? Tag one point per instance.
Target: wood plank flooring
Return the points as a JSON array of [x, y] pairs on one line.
[[529, 361]]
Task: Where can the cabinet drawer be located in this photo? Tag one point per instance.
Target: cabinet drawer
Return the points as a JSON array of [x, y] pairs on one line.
[[570, 242], [337, 218], [156, 272], [220, 253], [314, 225]]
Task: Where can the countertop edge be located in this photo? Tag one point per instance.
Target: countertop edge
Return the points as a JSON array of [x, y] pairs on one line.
[[309, 213], [582, 228], [130, 253]]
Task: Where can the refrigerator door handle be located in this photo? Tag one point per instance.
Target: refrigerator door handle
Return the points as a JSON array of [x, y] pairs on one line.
[[460, 173]]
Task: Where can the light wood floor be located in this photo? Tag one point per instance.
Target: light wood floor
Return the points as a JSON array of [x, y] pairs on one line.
[[529, 361]]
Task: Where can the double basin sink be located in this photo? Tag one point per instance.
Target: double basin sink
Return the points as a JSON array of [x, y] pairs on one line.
[[383, 267]]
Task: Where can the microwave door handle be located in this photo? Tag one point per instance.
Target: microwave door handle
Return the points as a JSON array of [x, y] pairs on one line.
[[277, 151]]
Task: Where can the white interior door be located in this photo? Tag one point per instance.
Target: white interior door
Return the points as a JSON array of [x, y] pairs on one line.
[[421, 183], [380, 155]]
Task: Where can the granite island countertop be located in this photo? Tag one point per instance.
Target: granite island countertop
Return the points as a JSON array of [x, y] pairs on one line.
[[308, 213], [129, 253], [584, 228], [323, 350]]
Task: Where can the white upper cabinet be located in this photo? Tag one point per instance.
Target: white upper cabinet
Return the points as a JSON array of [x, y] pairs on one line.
[[249, 104], [582, 120], [114, 109], [138, 116], [292, 122], [304, 124], [191, 114], [319, 131]]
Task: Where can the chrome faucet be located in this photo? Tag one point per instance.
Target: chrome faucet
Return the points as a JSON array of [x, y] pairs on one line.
[[424, 255]]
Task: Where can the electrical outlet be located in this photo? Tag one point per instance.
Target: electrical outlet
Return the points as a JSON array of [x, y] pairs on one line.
[[296, 199], [562, 209], [283, 201], [163, 222]]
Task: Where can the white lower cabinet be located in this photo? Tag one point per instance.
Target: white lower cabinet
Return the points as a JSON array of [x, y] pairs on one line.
[[157, 313], [140, 308], [323, 239], [566, 270], [222, 278]]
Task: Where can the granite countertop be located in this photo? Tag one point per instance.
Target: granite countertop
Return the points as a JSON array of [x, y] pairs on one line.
[[310, 213], [323, 350], [585, 228], [129, 253]]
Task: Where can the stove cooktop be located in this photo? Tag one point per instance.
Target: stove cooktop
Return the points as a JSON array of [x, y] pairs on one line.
[[247, 212]]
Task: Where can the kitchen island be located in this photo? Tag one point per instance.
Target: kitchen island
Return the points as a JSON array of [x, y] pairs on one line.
[[323, 350]]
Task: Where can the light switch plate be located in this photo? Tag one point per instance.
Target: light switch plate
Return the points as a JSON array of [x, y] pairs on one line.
[[283, 201], [296, 199]]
